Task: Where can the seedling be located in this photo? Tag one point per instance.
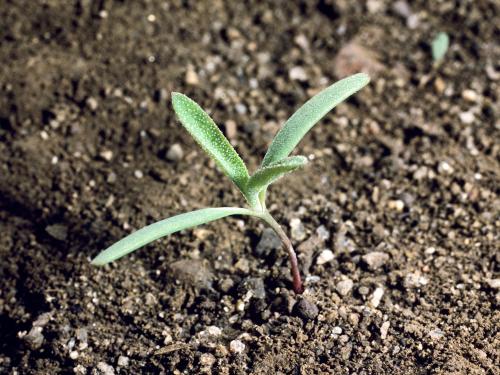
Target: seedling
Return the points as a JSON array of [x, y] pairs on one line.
[[439, 46], [275, 165]]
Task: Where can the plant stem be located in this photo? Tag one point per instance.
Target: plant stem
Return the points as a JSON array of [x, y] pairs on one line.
[[297, 281]]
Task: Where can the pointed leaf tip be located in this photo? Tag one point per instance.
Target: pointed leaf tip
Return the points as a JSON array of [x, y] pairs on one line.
[[163, 228], [296, 127], [208, 135]]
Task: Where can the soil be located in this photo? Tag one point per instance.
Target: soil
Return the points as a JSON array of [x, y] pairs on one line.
[[403, 188]]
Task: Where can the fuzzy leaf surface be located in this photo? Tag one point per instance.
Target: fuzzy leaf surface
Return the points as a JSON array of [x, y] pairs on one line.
[[265, 176], [296, 127], [163, 228], [207, 134]]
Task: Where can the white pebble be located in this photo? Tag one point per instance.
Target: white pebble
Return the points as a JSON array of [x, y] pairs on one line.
[[106, 155], [123, 361], [384, 329], [324, 257], [376, 297], [138, 174], [73, 354], [236, 346], [297, 73], [467, 118], [337, 330], [214, 331], [445, 168]]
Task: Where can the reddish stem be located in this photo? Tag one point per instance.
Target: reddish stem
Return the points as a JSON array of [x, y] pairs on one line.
[[298, 288]]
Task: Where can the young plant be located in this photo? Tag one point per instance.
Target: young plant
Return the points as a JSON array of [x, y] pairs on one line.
[[439, 46], [275, 165]]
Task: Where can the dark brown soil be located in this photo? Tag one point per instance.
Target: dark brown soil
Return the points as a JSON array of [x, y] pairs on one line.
[[407, 171]]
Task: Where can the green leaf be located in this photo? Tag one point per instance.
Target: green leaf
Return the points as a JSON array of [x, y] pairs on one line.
[[204, 130], [439, 46], [309, 114], [163, 228], [265, 176]]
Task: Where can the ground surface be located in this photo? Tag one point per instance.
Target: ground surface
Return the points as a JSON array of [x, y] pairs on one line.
[[408, 171]]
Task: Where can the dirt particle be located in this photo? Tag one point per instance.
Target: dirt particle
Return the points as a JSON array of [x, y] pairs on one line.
[[191, 77], [138, 174], [175, 153], [436, 334], [384, 329], [376, 297], [298, 232], [57, 231], [34, 339], [354, 58], [106, 155], [325, 256], [494, 283], [123, 361], [297, 73], [74, 354], [306, 309], [269, 241], [105, 369], [375, 259], [236, 347], [344, 287], [207, 360], [191, 272], [92, 103], [231, 129]]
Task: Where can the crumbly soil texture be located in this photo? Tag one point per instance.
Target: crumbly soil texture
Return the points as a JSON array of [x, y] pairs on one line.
[[395, 220]]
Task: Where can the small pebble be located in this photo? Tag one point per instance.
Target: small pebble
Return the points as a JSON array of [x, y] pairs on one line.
[[92, 103], [34, 339], [384, 329], [175, 152], [323, 233], [445, 168], [214, 331], [236, 346], [414, 280], [375, 259], [467, 118], [494, 283], [73, 355], [306, 309], [268, 241], [436, 334], [298, 232], [324, 257], [105, 369], [396, 205], [138, 174], [57, 231], [123, 361], [241, 108], [344, 287], [191, 77], [106, 155], [207, 360], [337, 330], [470, 96], [231, 129], [297, 73], [376, 297]]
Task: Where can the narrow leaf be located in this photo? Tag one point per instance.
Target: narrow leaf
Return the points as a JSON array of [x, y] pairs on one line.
[[265, 176], [440, 45], [163, 228], [309, 114], [204, 130]]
